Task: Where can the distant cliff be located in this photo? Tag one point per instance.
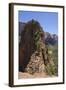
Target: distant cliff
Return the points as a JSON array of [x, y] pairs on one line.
[[51, 39]]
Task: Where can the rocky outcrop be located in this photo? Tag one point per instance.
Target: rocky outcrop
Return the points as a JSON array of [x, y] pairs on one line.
[[33, 54], [51, 39]]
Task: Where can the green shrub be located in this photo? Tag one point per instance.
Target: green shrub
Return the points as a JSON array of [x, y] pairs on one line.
[[50, 69], [53, 69], [37, 39]]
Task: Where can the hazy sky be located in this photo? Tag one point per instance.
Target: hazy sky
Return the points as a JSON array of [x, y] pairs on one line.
[[48, 20]]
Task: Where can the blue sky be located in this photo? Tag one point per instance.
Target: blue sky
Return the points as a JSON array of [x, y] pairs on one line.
[[48, 20]]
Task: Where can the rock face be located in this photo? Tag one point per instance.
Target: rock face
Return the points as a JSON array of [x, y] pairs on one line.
[[36, 64], [33, 54]]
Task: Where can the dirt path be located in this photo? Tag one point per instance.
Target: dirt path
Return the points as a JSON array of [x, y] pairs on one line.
[[36, 75]]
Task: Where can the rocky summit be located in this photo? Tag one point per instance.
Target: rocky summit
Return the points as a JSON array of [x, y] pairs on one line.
[[33, 53]]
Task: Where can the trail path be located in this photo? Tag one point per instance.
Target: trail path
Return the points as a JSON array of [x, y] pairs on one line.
[[36, 75]]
